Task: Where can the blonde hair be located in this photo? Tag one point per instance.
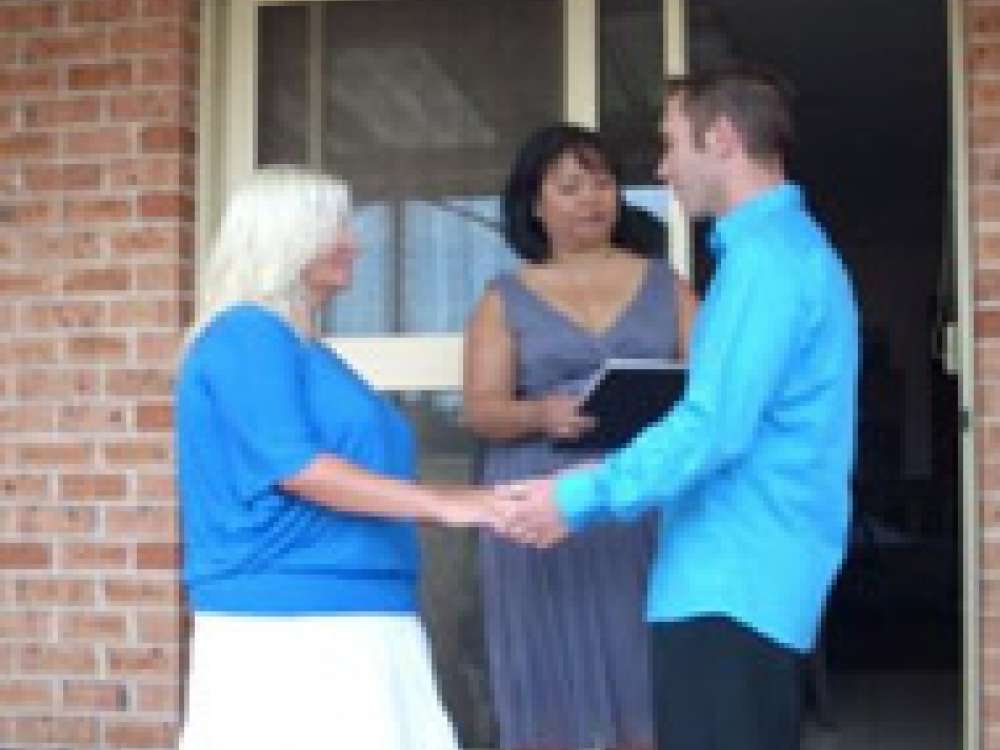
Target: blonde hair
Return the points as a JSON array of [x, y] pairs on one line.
[[272, 228]]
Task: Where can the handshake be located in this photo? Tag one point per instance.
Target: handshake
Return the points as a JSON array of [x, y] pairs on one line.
[[523, 512]]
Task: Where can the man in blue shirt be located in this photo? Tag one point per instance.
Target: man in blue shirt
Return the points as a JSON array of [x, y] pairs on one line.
[[751, 468]]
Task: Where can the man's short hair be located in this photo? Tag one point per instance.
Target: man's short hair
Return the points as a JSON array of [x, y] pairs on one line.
[[756, 101]]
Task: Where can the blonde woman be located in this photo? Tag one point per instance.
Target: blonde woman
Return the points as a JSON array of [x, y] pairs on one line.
[[300, 557]]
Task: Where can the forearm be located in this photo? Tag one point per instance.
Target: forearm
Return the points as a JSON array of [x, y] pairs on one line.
[[342, 486], [504, 418]]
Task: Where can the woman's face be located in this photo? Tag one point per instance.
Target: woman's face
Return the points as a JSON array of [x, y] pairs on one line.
[[332, 270], [577, 203]]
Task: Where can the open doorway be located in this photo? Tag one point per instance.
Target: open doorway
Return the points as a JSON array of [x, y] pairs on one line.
[[873, 153]]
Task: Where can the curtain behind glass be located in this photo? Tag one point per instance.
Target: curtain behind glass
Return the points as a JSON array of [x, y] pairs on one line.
[[423, 106]]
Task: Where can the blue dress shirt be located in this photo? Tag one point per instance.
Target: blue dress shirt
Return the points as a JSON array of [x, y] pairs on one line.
[[752, 467]]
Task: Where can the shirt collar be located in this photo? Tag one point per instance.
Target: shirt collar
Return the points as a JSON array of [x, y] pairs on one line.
[[745, 215]]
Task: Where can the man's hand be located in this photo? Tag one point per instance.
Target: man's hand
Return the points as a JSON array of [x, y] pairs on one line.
[[529, 515]]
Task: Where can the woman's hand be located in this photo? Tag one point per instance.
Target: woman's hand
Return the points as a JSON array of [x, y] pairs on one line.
[[560, 417]]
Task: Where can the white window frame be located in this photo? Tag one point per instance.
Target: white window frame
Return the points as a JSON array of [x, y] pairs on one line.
[[397, 363]]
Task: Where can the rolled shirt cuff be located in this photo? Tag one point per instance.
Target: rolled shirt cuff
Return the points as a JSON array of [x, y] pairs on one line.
[[577, 497]]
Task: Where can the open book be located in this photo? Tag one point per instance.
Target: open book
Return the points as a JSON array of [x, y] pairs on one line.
[[626, 395]]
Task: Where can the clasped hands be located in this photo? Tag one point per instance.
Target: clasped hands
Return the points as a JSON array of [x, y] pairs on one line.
[[526, 513]]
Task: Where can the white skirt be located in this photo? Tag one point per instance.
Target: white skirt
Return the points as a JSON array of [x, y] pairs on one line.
[[338, 682]]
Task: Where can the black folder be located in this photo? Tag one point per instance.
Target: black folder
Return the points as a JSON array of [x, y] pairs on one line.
[[627, 395]]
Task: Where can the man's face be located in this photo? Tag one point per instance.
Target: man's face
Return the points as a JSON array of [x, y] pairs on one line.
[[691, 171]]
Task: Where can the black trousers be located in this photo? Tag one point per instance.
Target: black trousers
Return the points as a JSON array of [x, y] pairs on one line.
[[718, 685]]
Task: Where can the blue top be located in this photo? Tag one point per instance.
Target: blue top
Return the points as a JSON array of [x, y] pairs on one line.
[[752, 467], [255, 404]]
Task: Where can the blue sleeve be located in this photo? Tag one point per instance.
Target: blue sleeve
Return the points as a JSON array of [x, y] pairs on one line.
[[743, 337], [253, 369]]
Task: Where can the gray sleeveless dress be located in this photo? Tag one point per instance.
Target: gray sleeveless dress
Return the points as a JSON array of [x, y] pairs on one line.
[[566, 640]]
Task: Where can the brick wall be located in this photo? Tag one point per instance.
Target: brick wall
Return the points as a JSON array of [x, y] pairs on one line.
[[983, 51], [97, 115]]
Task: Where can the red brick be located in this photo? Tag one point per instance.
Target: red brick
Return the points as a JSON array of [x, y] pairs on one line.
[[24, 626], [142, 382], [20, 417], [55, 453], [168, 139], [21, 81], [102, 11], [25, 351], [90, 45], [9, 49], [24, 555], [154, 348], [25, 694], [984, 95], [57, 659], [97, 281], [983, 19], [170, 70], [63, 315], [95, 695], [28, 15], [172, 277], [106, 141], [137, 451], [155, 698], [987, 285], [144, 313], [55, 112], [92, 487], [61, 592], [13, 284], [24, 145], [157, 660], [93, 626], [149, 172], [141, 592], [144, 106], [150, 37], [46, 383], [100, 76], [59, 177], [157, 556], [982, 56], [987, 323], [56, 521], [26, 213], [156, 486], [170, 8], [93, 556], [138, 733], [147, 522], [10, 184], [154, 417], [64, 245], [161, 627], [97, 348], [166, 206], [92, 418], [54, 730], [23, 487]]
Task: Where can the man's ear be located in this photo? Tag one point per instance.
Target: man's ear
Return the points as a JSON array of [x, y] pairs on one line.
[[721, 137]]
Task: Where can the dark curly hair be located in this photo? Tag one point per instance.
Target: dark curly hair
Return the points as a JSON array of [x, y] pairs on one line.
[[636, 230]]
